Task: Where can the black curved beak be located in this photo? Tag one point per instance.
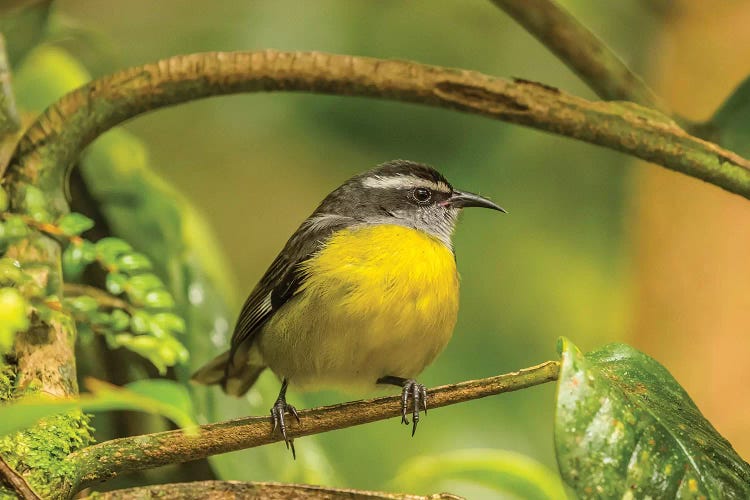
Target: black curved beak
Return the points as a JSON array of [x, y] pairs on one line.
[[462, 199]]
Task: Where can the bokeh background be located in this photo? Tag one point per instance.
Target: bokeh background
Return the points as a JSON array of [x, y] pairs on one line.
[[596, 247]]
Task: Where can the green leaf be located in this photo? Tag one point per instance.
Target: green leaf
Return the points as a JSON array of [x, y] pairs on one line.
[[143, 283], [73, 224], [14, 228], [133, 262], [166, 391], [625, 426], [731, 122], [119, 320], [140, 322], [147, 346], [75, 258], [169, 321], [160, 397], [35, 203], [109, 249], [504, 472], [158, 299], [83, 303], [13, 317], [115, 283], [10, 272]]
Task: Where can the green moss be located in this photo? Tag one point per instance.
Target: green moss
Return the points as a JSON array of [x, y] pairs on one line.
[[39, 453]]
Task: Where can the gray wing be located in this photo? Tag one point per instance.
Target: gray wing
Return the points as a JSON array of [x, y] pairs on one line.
[[283, 278]]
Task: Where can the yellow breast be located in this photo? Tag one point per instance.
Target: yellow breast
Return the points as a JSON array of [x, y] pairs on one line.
[[377, 300]]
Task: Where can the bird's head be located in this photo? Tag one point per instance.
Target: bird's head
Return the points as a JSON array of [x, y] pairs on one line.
[[403, 193]]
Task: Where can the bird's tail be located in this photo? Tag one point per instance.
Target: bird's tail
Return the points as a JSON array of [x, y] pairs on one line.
[[235, 378]]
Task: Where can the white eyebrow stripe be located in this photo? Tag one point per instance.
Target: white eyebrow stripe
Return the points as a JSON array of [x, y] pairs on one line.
[[402, 182]]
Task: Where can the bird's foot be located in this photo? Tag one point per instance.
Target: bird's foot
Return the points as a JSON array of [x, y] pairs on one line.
[[418, 395], [278, 413]]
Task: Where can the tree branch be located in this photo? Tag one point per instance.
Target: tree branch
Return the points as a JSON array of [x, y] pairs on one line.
[[270, 491], [16, 482], [111, 458], [58, 136], [581, 50]]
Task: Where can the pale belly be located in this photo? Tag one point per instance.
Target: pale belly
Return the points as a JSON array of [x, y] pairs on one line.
[[379, 301]]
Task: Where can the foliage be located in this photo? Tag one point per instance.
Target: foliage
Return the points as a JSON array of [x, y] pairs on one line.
[[623, 424], [160, 397], [502, 472]]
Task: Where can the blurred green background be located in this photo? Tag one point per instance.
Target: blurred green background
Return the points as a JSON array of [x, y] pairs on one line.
[[256, 165]]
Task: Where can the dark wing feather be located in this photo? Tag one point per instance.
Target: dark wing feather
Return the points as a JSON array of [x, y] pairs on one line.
[[283, 278]]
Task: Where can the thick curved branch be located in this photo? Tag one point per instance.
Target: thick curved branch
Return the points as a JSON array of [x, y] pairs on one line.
[[111, 458], [581, 50], [270, 491], [59, 135]]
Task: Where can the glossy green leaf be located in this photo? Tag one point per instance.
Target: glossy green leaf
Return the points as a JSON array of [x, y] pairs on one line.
[[161, 397], [73, 224], [504, 472], [624, 426], [731, 122]]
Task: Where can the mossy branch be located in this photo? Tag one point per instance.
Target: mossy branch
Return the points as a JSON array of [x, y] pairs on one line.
[[111, 458], [59, 135], [581, 50], [269, 491]]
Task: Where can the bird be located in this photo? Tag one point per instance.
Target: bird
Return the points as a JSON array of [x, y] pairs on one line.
[[364, 293]]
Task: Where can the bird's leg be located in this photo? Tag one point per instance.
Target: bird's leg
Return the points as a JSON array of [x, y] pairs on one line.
[[278, 411], [410, 388]]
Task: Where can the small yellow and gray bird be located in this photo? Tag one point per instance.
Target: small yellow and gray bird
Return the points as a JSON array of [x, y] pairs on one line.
[[365, 292]]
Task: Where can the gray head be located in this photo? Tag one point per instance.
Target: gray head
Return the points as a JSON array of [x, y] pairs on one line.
[[400, 192]]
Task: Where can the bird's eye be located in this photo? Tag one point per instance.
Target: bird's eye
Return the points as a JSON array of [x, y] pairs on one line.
[[422, 195]]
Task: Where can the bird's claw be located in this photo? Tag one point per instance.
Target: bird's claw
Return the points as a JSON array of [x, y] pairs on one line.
[[278, 413], [418, 394]]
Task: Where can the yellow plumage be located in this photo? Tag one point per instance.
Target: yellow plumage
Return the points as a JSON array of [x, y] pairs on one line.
[[378, 300]]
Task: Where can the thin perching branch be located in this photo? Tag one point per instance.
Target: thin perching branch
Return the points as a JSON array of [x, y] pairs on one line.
[[112, 458], [581, 50], [58, 136], [268, 491]]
